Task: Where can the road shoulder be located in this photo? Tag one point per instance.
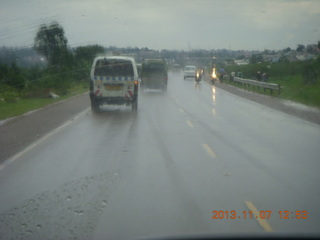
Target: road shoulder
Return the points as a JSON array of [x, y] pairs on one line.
[[18, 132], [301, 111]]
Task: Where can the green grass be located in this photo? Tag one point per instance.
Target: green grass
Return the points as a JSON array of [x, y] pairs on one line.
[[290, 75], [23, 105], [292, 88]]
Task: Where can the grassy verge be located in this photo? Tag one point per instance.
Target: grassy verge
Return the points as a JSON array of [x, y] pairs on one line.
[[12, 109], [299, 81], [292, 88]]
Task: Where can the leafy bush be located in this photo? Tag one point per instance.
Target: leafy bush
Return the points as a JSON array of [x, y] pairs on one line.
[[275, 69], [8, 93]]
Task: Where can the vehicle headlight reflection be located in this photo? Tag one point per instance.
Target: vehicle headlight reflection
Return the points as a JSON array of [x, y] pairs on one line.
[[214, 95], [213, 99]]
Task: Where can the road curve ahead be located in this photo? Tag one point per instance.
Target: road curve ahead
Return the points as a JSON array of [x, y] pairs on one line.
[[194, 160]]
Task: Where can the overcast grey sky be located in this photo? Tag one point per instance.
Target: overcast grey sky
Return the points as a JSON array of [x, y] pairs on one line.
[[166, 24]]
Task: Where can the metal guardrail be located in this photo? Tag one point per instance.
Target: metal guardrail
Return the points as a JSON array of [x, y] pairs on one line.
[[264, 85]]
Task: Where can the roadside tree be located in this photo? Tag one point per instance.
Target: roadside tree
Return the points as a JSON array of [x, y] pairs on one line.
[[51, 42]]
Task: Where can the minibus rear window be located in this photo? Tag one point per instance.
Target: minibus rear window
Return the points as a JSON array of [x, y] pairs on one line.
[[113, 67]]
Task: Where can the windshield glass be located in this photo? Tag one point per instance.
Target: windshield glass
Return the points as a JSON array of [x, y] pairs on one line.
[[159, 119], [153, 67], [190, 68], [112, 67]]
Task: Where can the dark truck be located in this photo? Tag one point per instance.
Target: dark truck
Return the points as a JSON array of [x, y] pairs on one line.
[[154, 74]]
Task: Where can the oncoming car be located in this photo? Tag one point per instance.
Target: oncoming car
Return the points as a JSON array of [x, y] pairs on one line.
[[190, 72], [114, 80]]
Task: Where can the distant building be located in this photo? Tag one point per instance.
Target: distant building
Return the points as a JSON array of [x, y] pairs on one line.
[[242, 62]]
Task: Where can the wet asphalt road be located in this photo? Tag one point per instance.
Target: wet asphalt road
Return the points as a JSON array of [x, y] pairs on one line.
[[165, 170]]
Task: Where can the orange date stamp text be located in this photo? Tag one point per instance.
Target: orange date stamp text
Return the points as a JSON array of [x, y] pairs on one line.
[[263, 214]]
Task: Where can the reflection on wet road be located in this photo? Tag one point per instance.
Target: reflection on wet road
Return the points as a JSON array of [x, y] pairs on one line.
[[166, 170]]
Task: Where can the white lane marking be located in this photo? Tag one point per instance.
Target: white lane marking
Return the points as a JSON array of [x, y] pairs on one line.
[[37, 142], [263, 223], [189, 123], [181, 110], [209, 150]]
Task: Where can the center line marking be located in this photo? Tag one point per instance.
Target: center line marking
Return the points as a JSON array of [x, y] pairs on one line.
[[189, 123], [264, 224], [209, 150]]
